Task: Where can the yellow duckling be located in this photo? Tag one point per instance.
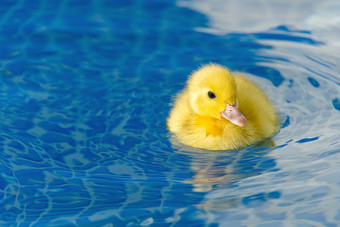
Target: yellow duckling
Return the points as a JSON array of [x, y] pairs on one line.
[[221, 111]]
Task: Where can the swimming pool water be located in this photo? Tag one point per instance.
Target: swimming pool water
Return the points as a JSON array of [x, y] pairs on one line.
[[86, 87]]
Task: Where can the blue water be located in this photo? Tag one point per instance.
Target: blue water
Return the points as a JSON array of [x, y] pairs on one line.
[[86, 87]]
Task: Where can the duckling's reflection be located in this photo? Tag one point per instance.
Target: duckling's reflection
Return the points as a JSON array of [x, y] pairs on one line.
[[215, 169]]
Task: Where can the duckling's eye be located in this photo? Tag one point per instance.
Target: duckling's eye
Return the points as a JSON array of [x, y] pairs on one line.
[[211, 95]]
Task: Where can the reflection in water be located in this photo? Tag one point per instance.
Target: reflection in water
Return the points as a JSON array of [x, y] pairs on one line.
[[218, 171]]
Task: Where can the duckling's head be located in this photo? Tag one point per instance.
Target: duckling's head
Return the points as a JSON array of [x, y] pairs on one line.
[[212, 92]]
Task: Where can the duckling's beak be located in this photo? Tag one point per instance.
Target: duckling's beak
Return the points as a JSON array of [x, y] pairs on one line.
[[232, 114]]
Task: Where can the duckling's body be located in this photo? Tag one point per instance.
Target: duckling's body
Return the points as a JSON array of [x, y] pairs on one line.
[[221, 111]]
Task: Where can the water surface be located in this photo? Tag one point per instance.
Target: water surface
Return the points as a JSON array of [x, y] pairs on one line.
[[86, 87]]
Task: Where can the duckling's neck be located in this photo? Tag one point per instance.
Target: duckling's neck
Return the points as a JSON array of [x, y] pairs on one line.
[[212, 126]]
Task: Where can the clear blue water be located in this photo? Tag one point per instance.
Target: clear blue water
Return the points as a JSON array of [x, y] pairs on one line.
[[86, 86]]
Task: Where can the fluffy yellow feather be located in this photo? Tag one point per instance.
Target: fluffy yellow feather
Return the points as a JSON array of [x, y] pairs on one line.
[[219, 110]]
